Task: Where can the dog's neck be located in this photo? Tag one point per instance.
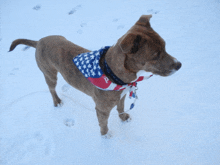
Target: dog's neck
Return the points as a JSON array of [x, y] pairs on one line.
[[115, 59]]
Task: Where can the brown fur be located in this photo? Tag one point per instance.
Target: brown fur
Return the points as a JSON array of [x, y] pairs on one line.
[[141, 48]]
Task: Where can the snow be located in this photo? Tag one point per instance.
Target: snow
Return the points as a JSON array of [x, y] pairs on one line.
[[176, 119]]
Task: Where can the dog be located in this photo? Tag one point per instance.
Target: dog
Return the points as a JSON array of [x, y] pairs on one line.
[[141, 48]]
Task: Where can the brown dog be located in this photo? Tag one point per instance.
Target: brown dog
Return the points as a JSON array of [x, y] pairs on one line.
[[141, 48]]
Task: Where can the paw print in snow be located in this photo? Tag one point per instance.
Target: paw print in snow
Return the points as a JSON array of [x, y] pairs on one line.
[[26, 48], [74, 9], [83, 24], [69, 122], [120, 26], [37, 7], [115, 20], [14, 71], [151, 11]]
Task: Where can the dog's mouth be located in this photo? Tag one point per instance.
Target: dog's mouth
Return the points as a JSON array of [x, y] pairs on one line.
[[163, 69], [164, 73], [169, 72]]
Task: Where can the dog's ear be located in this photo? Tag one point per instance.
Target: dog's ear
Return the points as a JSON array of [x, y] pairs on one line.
[[144, 20], [131, 43]]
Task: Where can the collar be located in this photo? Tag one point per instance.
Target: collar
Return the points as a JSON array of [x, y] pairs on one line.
[[108, 72]]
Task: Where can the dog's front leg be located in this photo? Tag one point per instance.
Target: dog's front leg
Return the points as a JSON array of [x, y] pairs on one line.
[[120, 108], [103, 119], [105, 101]]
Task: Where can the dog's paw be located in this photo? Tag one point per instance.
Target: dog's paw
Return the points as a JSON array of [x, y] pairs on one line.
[[58, 104], [125, 117], [108, 135]]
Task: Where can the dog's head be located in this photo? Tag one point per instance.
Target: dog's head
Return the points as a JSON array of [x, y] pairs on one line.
[[144, 49]]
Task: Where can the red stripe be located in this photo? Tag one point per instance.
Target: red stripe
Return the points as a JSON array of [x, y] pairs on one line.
[[101, 82], [140, 78], [131, 93], [117, 87]]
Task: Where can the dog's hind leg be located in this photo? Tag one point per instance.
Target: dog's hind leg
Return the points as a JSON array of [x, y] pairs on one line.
[[51, 80], [120, 108]]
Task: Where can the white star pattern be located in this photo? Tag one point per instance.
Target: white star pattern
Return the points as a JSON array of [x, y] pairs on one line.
[[88, 63]]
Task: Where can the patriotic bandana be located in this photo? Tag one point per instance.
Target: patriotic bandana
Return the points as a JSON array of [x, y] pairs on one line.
[[88, 64]]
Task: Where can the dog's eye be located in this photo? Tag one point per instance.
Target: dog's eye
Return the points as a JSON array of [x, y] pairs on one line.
[[156, 56]]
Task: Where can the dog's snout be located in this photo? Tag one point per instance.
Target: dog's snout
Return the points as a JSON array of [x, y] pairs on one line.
[[178, 65]]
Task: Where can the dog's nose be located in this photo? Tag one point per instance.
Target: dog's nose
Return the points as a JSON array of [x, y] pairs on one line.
[[178, 65]]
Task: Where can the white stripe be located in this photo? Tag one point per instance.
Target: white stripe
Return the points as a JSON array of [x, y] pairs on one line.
[[111, 86]]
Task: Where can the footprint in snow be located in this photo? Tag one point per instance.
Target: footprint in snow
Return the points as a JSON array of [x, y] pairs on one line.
[[26, 48], [120, 27], [26, 147], [83, 24], [80, 31], [14, 70], [115, 20], [65, 87], [69, 122], [37, 7], [152, 11], [74, 9]]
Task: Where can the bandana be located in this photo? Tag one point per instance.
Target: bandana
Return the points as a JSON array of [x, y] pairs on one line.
[[88, 64]]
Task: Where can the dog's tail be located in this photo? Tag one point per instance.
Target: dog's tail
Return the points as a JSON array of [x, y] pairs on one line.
[[23, 41]]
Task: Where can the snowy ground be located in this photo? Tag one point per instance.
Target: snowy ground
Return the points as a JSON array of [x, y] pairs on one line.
[[176, 120]]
